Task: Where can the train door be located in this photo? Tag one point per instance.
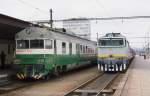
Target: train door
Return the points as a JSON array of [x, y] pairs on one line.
[[70, 48], [55, 47]]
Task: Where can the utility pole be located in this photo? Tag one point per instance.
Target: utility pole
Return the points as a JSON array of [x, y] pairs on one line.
[[51, 18]]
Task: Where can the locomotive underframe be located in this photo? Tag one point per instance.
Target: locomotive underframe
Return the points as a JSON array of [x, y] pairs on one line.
[[112, 64]]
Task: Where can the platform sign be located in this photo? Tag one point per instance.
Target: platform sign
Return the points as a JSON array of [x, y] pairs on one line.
[[80, 27]]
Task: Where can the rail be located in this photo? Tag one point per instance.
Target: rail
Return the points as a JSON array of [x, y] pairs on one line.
[[93, 87]]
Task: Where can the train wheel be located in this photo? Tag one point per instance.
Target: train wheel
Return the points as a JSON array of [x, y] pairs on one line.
[[64, 68], [57, 71]]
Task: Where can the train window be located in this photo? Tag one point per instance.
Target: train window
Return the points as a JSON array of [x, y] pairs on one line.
[[103, 42], [83, 49], [48, 44], [117, 42], [86, 50], [77, 48], [63, 47], [36, 44], [22, 44]]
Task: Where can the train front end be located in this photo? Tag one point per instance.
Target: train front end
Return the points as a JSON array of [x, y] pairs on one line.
[[31, 55], [113, 53]]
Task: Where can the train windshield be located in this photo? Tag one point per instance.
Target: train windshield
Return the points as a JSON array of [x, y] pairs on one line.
[[22, 44], [36, 44], [116, 42]]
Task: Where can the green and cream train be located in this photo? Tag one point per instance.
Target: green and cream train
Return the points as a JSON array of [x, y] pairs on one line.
[[114, 52], [43, 51]]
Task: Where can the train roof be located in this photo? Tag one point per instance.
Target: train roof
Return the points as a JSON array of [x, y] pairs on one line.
[[63, 31], [40, 32], [113, 35]]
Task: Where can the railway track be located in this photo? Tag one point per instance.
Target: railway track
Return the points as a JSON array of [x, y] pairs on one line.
[[17, 84], [94, 87]]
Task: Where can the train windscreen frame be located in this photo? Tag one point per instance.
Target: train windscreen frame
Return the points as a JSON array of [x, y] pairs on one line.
[[111, 42], [22, 44]]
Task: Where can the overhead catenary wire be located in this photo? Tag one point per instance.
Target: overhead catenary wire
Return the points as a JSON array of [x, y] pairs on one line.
[[32, 6], [107, 12]]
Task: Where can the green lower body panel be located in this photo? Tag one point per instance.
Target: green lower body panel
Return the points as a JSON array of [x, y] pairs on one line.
[[39, 65]]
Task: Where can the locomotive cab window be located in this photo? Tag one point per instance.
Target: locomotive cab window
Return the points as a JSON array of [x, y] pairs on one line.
[[22, 44], [37, 44], [111, 42]]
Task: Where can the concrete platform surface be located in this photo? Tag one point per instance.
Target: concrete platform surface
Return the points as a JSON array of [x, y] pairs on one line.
[[138, 83], [6, 72]]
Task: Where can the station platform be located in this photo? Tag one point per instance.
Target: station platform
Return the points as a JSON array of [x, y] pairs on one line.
[[7, 72], [5, 76], [138, 82]]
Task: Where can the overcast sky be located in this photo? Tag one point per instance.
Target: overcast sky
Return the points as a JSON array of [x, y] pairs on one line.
[[39, 10]]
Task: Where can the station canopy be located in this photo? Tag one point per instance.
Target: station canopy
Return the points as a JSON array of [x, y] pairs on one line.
[[9, 26]]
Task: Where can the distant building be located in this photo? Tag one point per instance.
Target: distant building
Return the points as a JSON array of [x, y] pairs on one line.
[[79, 26]]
